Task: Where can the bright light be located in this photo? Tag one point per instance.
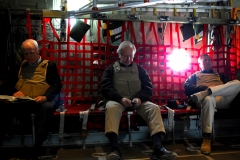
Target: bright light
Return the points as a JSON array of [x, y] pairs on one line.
[[75, 6], [179, 60]]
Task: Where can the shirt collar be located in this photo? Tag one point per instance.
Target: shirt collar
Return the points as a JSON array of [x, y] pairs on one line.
[[121, 64], [204, 71], [37, 62]]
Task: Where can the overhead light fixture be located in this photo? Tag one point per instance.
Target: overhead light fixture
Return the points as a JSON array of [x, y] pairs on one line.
[[98, 15], [164, 18], [233, 21], [193, 19], [134, 16], [185, 4]]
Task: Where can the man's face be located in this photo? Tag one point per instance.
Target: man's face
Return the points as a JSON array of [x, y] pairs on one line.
[[206, 63], [30, 53], [126, 56]]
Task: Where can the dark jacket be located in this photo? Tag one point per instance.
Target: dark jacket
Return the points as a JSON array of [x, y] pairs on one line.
[[109, 92], [52, 78]]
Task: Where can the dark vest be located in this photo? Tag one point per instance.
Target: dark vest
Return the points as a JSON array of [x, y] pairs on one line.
[[126, 80]]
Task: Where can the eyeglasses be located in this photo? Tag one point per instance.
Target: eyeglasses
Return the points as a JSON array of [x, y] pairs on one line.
[[125, 56]]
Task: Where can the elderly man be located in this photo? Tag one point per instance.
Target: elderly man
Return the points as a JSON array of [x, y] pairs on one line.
[[206, 89], [125, 85], [39, 79]]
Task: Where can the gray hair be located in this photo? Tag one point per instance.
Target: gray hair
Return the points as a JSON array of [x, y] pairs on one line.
[[125, 44], [201, 57], [32, 41]]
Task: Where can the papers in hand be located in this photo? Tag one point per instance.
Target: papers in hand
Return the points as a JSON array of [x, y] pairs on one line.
[[23, 98], [5, 97], [13, 99]]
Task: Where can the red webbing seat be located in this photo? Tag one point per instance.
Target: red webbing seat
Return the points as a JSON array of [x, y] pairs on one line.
[[95, 119], [75, 109], [186, 111]]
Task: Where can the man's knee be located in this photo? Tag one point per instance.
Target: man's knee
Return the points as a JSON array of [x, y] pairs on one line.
[[207, 101], [154, 108], [112, 109]]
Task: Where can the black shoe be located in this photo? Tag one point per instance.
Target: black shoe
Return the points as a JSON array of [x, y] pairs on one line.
[[160, 153], [115, 154]]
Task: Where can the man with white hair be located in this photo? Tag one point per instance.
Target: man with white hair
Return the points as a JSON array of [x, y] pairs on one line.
[[126, 85], [39, 79], [206, 89]]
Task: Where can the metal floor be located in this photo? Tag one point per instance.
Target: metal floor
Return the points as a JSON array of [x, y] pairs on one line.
[[222, 149]]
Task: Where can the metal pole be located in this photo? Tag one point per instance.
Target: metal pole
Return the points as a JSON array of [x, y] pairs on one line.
[[129, 128], [33, 128]]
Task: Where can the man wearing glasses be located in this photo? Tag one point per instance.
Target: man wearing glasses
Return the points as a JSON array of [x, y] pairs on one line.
[[126, 85]]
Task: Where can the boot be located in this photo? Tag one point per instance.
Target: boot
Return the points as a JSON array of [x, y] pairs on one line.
[[115, 154], [206, 144], [160, 153]]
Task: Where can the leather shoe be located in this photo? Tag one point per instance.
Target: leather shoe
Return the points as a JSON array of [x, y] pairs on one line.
[[160, 153]]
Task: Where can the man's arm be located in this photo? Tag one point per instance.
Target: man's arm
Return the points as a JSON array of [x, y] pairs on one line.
[[108, 91], [191, 86], [53, 79], [146, 86]]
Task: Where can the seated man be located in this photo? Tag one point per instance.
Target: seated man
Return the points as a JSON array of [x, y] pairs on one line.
[[125, 85], [38, 79], [205, 88]]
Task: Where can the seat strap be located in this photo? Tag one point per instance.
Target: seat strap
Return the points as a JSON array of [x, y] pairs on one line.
[[61, 126], [171, 122], [84, 118]]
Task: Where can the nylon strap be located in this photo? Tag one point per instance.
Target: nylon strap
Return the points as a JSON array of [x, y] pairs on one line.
[[123, 31], [61, 125], [178, 37], [54, 31], [130, 26], [170, 119], [152, 27], [143, 33], [84, 117]]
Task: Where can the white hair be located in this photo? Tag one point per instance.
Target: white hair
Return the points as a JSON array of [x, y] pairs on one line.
[[32, 41], [125, 44]]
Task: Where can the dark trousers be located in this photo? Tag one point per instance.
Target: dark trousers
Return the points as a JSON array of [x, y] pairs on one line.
[[23, 111]]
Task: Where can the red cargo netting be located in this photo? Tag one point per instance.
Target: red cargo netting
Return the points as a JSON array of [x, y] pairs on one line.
[[81, 64]]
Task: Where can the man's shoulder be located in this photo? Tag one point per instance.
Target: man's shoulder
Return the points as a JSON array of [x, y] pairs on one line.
[[109, 68], [204, 72], [198, 72], [110, 65], [139, 66], [50, 63]]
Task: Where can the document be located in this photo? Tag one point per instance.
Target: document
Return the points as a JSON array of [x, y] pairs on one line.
[[14, 99], [5, 97]]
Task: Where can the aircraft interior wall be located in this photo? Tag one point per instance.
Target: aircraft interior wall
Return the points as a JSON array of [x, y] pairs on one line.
[[81, 64]]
